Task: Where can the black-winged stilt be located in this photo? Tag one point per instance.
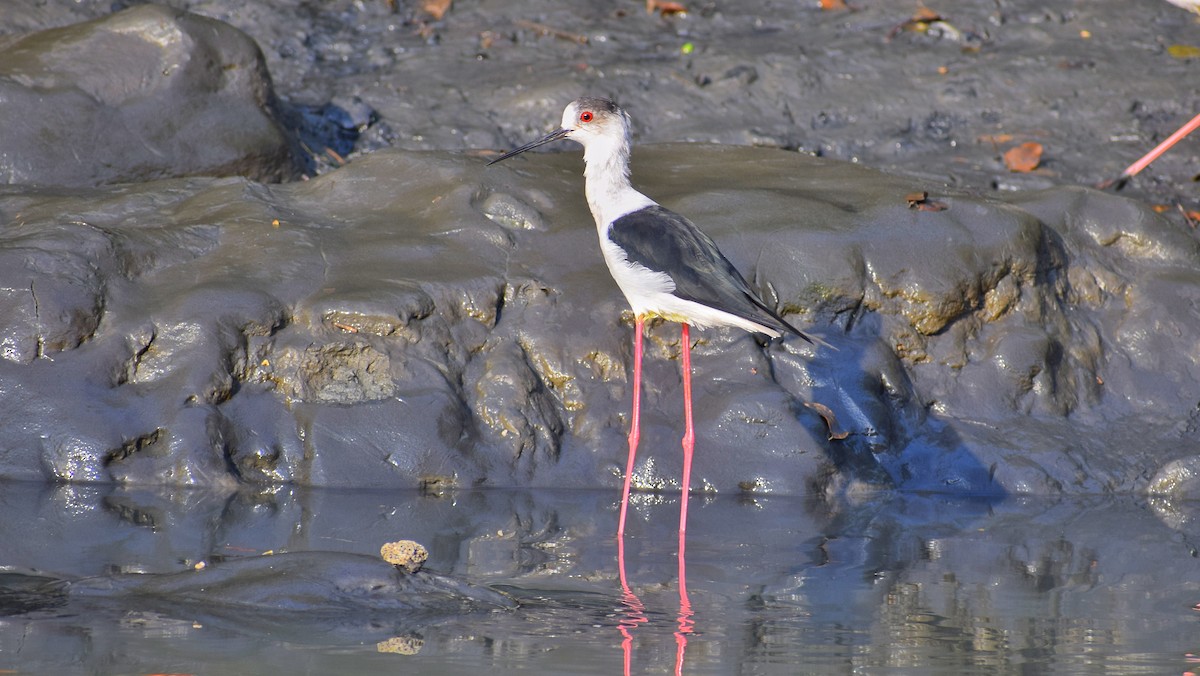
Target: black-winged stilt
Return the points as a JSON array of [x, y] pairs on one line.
[[665, 265]]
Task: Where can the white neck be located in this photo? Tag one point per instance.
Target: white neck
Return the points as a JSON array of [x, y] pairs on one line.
[[609, 192]]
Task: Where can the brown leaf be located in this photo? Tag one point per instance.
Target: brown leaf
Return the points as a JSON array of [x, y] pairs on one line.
[[435, 8], [835, 432], [921, 202], [664, 7], [1190, 215], [925, 14], [1023, 158]]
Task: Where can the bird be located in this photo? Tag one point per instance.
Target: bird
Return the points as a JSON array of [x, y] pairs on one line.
[[664, 265]]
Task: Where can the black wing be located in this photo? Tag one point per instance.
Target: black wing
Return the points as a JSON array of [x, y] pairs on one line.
[[664, 241]]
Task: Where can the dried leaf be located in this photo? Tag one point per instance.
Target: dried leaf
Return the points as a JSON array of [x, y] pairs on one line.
[[833, 5], [1184, 51], [995, 139], [835, 432], [1192, 217], [435, 8], [664, 7], [921, 202], [1023, 158], [918, 23], [543, 29], [925, 14]]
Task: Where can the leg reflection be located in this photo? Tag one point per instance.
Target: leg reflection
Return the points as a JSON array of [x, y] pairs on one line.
[[685, 623], [635, 610]]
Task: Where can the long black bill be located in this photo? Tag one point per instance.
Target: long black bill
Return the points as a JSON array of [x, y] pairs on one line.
[[552, 136]]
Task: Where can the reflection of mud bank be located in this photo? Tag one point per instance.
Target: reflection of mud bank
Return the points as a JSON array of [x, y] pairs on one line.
[[289, 596], [890, 582]]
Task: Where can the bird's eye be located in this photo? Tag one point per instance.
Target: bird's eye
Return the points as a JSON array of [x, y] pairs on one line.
[[585, 116]]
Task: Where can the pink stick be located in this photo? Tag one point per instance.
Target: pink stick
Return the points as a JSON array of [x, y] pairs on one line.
[[1162, 148], [635, 423], [689, 434]]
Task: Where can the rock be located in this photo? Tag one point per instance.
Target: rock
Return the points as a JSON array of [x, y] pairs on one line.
[[145, 93], [407, 555]]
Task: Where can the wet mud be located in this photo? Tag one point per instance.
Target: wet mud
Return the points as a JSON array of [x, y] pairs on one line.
[[249, 248], [412, 319], [213, 331]]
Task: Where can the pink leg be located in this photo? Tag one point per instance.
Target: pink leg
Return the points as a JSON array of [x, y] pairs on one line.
[[635, 423], [1162, 147], [689, 434], [685, 621]]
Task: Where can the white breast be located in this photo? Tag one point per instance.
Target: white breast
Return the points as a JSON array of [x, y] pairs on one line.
[[651, 293], [643, 288]]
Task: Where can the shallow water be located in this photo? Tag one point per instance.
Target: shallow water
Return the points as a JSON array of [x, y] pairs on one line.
[[894, 584]]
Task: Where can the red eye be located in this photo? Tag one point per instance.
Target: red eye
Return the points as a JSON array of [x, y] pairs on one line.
[[585, 116]]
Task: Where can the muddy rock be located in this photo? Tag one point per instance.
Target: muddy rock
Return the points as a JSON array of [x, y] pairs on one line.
[[392, 323], [145, 93]]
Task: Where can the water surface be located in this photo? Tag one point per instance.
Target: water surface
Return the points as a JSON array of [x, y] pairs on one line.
[[776, 585]]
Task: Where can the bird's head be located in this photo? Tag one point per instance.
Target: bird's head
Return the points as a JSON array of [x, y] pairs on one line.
[[591, 121]]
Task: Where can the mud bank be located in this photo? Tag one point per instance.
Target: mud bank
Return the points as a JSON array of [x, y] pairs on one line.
[[417, 319], [412, 319]]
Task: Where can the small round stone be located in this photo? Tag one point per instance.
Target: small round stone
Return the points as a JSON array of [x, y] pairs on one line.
[[406, 555], [401, 645]]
